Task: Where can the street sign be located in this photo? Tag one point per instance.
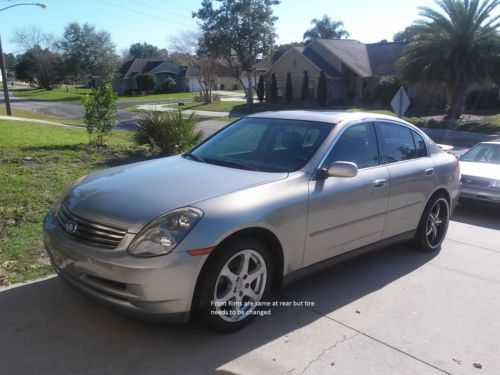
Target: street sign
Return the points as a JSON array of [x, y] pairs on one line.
[[400, 102]]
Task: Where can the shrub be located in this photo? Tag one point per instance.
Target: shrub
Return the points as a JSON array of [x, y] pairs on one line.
[[146, 82], [170, 132], [322, 89], [304, 94], [288, 89], [274, 89], [99, 110], [482, 100], [169, 85], [260, 89]]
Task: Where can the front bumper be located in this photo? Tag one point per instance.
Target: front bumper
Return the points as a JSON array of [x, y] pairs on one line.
[[482, 194], [160, 287]]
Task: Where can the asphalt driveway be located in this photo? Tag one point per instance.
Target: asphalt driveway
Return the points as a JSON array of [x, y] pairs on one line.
[[396, 311]]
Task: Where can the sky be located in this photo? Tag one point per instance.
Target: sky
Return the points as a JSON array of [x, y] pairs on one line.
[[156, 21]]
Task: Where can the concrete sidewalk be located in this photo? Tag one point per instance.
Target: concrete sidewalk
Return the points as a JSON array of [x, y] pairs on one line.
[[162, 108]]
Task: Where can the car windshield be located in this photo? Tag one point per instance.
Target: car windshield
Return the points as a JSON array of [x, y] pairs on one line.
[[266, 145], [483, 153]]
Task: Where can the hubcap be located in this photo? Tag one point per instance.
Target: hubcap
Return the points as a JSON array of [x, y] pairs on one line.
[[437, 223], [240, 285]]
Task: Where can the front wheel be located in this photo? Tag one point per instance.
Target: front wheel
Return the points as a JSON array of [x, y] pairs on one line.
[[236, 279], [433, 224]]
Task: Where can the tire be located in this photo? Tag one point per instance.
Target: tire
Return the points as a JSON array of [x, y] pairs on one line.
[[224, 282], [433, 224]]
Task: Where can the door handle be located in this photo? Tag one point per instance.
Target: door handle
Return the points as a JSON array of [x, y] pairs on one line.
[[379, 182], [429, 171]]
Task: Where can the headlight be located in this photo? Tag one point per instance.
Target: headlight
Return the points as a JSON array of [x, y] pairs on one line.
[[65, 192], [163, 234]]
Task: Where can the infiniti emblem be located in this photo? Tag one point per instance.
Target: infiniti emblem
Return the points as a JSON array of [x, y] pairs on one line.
[[71, 226]]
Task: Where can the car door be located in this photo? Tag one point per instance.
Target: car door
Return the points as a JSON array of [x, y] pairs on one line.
[[412, 174], [347, 213]]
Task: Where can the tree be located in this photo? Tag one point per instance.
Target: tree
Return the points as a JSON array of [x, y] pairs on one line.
[[288, 89], [304, 94], [99, 110], [260, 89], [325, 28], [456, 46], [146, 82], [274, 89], [406, 35], [144, 50], [88, 51], [239, 31], [322, 90], [40, 67]]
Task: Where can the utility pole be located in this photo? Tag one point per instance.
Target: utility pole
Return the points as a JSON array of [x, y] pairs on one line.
[[2, 61], [4, 81]]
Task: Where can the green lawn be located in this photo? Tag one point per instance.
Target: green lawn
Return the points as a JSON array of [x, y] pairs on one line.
[[36, 162], [39, 116], [76, 94], [56, 94]]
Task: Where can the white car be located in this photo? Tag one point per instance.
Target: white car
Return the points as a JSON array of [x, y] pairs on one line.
[[480, 168]]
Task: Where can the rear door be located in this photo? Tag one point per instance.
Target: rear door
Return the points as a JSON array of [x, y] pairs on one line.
[[412, 175], [347, 213]]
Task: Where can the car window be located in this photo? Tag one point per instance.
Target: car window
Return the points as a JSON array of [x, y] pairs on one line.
[[269, 145], [420, 145], [483, 153], [358, 144], [397, 142]]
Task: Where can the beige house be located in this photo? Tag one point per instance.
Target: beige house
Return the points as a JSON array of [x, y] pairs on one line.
[[351, 68]]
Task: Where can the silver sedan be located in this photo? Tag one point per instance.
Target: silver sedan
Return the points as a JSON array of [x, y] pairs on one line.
[[264, 201], [480, 168]]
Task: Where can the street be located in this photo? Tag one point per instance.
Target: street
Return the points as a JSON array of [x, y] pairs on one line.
[[394, 311]]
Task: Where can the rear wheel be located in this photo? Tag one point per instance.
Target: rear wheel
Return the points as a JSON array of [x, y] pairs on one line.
[[433, 224], [233, 283]]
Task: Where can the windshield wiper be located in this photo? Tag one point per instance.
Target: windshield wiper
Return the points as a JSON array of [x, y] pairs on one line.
[[230, 163], [193, 157]]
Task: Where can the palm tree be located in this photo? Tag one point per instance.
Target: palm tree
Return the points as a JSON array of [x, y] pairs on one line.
[[456, 46], [325, 28]]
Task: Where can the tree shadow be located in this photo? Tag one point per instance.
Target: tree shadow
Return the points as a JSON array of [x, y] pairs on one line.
[[47, 327]]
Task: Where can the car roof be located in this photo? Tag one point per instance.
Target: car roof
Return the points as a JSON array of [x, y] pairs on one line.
[[332, 117]]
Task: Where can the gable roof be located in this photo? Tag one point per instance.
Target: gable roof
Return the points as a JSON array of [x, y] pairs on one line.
[[366, 60], [140, 65], [383, 57], [221, 70], [351, 52]]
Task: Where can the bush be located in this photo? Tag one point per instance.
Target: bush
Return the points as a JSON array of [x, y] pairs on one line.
[[169, 85], [304, 94], [322, 90], [482, 100], [274, 89], [99, 110], [260, 89], [146, 82], [170, 132], [288, 89]]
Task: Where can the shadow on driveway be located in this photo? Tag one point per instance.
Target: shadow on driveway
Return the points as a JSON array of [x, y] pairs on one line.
[[479, 214], [46, 327]]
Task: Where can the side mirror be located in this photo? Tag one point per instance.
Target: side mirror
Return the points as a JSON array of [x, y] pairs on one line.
[[342, 169]]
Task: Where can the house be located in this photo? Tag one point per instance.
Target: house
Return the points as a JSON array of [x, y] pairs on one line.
[[352, 68], [125, 79], [223, 79]]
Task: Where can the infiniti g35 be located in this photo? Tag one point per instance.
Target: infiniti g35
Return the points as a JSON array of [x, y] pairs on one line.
[[260, 203]]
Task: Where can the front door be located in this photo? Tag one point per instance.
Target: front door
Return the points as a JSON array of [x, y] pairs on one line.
[[347, 213]]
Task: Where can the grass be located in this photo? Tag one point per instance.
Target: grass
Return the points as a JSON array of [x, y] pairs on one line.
[[56, 94], [40, 116], [76, 94], [36, 162]]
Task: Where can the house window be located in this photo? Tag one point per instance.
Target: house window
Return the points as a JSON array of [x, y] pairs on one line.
[[279, 85], [312, 88]]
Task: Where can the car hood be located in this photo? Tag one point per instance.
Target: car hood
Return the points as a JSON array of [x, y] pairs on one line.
[[484, 170], [131, 196]]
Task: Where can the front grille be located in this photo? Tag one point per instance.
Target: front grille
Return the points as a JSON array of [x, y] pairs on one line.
[[87, 231], [474, 181]]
